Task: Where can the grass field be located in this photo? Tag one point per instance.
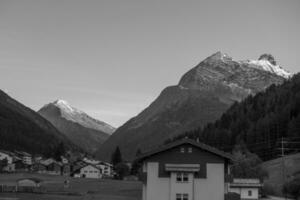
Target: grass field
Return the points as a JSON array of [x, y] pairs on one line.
[[276, 169], [79, 189]]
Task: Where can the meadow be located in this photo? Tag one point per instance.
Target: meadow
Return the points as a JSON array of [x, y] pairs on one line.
[[79, 188]]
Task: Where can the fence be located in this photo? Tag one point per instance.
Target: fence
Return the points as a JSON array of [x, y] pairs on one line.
[[23, 189]]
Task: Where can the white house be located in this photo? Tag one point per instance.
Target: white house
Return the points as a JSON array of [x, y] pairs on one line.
[[246, 188], [106, 168], [26, 157], [184, 170], [6, 155], [88, 171]]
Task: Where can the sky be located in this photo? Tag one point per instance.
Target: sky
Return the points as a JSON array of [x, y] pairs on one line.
[[112, 58]]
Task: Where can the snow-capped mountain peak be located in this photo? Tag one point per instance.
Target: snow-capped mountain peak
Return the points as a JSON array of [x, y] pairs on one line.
[[265, 65], [73, 114], [64, 105]]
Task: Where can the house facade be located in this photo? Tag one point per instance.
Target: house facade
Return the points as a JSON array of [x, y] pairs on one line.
[[88, 171], [26, 157], [246, 188], [106, 168], [184, 170]]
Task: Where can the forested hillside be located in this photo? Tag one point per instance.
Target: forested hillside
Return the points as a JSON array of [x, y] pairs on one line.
[[23, 129], [260, 121]]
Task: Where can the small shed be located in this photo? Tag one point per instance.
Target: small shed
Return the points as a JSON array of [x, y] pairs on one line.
[[247, 188], [29, 182]]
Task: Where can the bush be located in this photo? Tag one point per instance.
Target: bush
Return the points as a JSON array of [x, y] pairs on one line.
[[292, 188]]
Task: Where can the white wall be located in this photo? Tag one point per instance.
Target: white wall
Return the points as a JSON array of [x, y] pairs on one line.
[[90, 172], [244, 192], [157, 188], [182, 187], [212, 187], [6, 156]]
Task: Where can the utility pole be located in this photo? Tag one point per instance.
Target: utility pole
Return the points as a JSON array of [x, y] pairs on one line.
[[283, 163]]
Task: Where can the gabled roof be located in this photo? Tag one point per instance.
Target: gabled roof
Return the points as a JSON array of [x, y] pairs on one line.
[[86, 164], [186, 141]]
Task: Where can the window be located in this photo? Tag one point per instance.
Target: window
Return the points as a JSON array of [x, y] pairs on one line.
[[182, 150], [182, 196], [178, 177], [185, 197], [249, 193], [190, 150], [185, 177], [182, 177]]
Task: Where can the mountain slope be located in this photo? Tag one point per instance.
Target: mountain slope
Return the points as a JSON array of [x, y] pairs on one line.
[[81, 129], [23, 129], [260, 122], [201, 96]]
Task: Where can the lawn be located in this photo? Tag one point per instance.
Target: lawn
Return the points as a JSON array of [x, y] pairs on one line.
[[79, 189]]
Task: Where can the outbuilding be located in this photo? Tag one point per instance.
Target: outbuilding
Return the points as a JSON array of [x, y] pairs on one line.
[[29, 182], [246, 188]]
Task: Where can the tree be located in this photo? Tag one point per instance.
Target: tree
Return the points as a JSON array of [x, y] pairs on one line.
[[247, 165], [121, 170], [136, 164], [60, 150], [116, 157], [292, 188]]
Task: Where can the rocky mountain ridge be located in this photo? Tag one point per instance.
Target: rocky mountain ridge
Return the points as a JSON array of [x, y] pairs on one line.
[[200, 97]]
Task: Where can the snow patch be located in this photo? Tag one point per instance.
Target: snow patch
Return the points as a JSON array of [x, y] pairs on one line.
[[267, 66]]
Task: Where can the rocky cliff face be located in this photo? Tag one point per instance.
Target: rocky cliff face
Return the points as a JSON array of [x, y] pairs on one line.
[[200, 97], [83, 130]]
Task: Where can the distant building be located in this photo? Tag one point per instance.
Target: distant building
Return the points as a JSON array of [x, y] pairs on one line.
[[9, 167], [52, 166], [246, 188], [184, 170], [91, 161], [66, 169], [26, 157], [39, 168], [6, 155], [20, 166], [29, 182], [88, 171], [106, 168]]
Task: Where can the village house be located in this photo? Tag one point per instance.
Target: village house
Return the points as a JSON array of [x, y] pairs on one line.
[[39, 168], [87, 171], [248, 189], [26, 157], [184, 170], [52, 166], [106, 168], [6, 155]]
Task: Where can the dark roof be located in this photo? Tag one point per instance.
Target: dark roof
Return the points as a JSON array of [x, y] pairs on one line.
[[37, 180], [186, 141]]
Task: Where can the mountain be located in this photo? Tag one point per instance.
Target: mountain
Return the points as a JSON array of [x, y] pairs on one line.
[[83, 130], [200, 97], [260, 123], [23, 129]]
